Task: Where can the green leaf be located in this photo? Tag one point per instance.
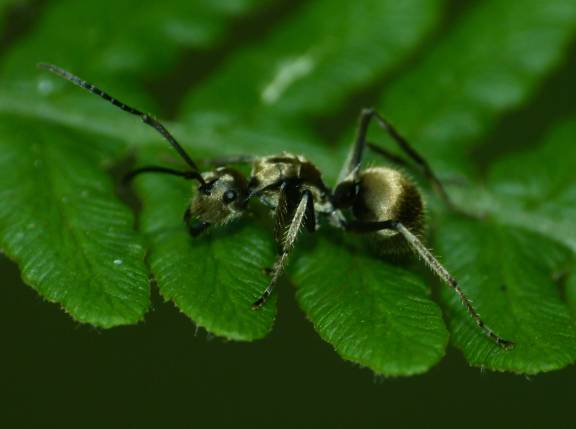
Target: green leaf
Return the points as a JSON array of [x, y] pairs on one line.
[[119, 39], [62, 223], [536, 189], [4, 6], [69, 107], [373, 311], [119, 45], [261, 98], [491, 62], [90, 260], [315, 59], [509, 275], [213, 279], [509, 264], [571, 292]]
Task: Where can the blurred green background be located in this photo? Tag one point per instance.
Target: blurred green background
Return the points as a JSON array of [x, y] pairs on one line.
[[57, 373]]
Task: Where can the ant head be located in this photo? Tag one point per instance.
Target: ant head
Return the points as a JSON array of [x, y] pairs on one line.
[[221, 199]]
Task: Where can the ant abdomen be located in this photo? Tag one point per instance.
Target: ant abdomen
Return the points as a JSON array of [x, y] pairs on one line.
[[387, 194]]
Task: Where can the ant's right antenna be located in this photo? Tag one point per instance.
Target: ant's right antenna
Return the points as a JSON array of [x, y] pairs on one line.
[[147, 119]]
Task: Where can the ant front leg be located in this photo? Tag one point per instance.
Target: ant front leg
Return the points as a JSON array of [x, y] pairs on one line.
[[437, 268], [287, 238], [288, 199]]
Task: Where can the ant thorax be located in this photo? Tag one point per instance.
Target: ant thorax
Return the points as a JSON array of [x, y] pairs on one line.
[[269, 171]]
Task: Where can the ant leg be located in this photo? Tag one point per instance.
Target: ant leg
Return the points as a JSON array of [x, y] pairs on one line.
[[423, 165], [354, 158], [288, 198], [286, 245], [437, 268], [398, 160], [310, 215], [268, 187], [390, 156], [156, 169]]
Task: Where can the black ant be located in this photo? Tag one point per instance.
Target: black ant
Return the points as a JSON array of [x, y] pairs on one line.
[[376, 200]]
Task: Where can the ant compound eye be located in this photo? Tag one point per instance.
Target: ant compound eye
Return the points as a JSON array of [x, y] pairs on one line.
[[229, 196]]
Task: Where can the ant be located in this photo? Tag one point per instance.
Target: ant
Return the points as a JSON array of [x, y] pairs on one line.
[[377, 200]]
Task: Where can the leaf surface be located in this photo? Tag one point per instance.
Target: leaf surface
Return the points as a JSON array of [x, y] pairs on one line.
[[118, 39], [571, 293], [489, 63], [62, 222], [536, 189], [511, 261], [444, 88], [509, 275], [371, 310], [311, 62]]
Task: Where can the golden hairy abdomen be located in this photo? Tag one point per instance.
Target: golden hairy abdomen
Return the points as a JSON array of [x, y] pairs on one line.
[[387, 194]]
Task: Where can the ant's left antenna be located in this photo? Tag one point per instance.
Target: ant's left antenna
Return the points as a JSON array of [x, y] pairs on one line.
[[147, 119]]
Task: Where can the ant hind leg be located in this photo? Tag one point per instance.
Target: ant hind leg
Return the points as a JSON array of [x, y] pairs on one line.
[[435, 266]]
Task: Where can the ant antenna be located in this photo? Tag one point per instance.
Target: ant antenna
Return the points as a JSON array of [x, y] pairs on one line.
[[147, 119]]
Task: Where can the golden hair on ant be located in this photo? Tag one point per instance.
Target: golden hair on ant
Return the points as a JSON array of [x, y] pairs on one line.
[[376, 200]]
